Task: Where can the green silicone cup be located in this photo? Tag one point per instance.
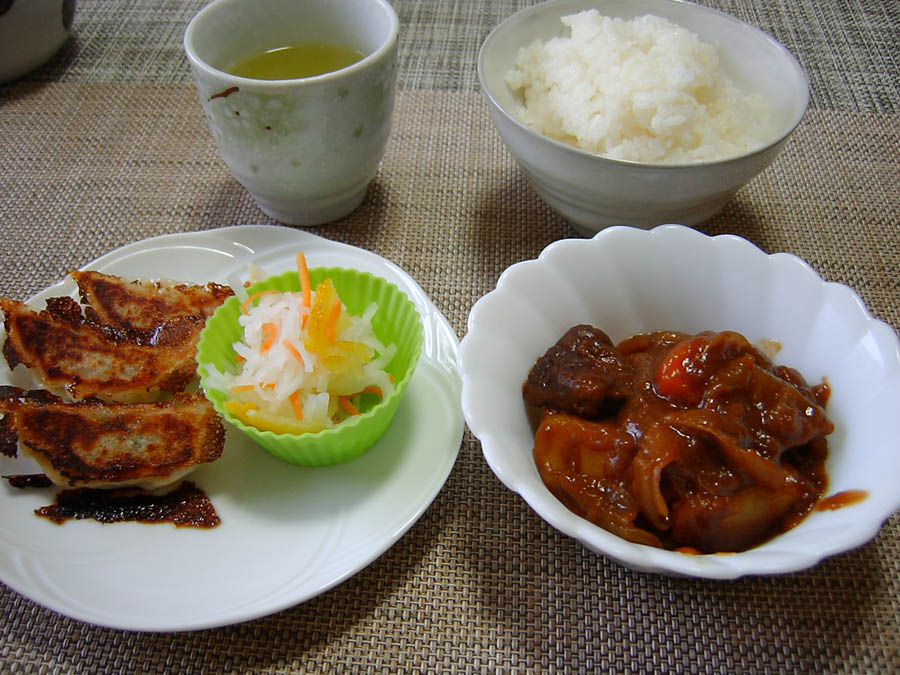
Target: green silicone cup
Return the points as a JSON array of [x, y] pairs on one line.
[[396, 322]]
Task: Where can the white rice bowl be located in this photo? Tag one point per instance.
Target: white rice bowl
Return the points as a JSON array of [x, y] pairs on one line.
[[642, 89]]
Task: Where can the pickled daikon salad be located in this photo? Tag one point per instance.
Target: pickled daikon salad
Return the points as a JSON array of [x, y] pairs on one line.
[[304, 363]]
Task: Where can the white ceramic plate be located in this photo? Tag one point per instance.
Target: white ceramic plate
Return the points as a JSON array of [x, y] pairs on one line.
[[627, 281], [288, 533]]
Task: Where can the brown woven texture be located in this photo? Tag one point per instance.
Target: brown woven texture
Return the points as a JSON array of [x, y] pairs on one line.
[[99, 150]]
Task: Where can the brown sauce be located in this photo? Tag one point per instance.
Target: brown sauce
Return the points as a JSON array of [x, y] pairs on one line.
[[184, 506], [841, 499], [29, 480], [694, 443]]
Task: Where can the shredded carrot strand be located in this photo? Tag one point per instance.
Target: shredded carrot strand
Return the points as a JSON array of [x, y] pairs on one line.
[[303, 273], [238, 358], [347, 406], [330, 328], [372, 389], [293, 350], [269, 333], [249, 301], [296, 405], [248, 387]]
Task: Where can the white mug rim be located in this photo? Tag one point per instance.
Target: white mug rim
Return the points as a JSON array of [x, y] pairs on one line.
[[383, 49]]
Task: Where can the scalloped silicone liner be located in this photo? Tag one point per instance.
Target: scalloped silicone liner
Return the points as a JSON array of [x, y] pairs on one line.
[[395, 322]]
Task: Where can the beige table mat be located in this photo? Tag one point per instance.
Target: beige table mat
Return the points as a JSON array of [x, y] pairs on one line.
[[108, 145], [89, 168], [480, 581]]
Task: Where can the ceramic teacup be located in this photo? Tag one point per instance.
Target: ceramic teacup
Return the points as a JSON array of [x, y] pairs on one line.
[[305, 148]]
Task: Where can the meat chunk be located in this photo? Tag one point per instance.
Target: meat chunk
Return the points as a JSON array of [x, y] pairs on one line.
[[582, 374]]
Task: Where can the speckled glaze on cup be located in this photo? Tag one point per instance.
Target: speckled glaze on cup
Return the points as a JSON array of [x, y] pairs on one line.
[[307, 148]]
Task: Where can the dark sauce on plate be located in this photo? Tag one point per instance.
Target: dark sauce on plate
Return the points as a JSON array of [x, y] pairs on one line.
[[29, 480], [184, 506]]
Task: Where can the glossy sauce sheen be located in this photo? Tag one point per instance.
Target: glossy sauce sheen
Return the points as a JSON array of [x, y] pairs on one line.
[[698, 443], [841, 499], [184, 506]]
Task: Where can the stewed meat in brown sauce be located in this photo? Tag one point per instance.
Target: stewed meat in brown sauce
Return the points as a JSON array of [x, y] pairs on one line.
[[583, 374], [693, 442]]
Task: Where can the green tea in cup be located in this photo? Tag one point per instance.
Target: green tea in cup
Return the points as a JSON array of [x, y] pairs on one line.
[[303, 124], [292, 61]]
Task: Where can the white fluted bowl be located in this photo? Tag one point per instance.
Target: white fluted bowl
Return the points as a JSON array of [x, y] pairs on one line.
[[627, 280]]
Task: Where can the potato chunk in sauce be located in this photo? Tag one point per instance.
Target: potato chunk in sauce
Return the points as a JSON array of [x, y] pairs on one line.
[[689, 442]]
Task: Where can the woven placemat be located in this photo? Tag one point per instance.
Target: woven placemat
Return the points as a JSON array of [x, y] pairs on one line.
[[89, 168], [107, 145], [847, 49], [480, 582]]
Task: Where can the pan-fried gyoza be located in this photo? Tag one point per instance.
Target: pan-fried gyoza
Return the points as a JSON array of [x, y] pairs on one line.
[[109, 408], [93, 443], [70, 353], [141, 305]]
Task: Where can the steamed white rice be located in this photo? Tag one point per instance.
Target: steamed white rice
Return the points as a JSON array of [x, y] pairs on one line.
[[642, 90]]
